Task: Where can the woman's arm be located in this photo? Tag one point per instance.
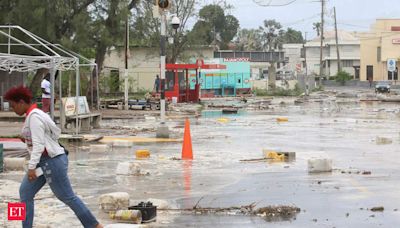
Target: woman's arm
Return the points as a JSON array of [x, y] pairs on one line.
[[37, 127]]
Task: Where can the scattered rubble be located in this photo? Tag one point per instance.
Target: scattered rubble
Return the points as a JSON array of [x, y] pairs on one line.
[[280, 212], [379, 208], [114, 201], [383, 140]]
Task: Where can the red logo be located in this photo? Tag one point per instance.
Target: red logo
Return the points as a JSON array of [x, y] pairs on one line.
[[16, 211]]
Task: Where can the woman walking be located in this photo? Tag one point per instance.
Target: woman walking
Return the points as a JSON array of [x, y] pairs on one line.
[[41, 137]]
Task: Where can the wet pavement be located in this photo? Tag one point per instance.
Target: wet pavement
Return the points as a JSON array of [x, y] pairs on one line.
[[343, 129]]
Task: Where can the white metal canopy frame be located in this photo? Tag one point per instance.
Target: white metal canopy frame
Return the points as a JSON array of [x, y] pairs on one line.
[[30, 52]]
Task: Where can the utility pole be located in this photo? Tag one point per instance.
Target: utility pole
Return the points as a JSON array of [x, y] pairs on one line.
[[126, 63], [322, 41], [305, 63], [337, 43]]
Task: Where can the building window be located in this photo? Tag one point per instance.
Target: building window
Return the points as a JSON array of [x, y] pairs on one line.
[[378, 54], [347, 63]]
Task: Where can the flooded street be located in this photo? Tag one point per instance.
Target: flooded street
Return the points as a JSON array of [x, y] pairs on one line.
[[346, 130]]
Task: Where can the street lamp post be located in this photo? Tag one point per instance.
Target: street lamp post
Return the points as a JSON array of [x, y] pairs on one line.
[[162, 130]]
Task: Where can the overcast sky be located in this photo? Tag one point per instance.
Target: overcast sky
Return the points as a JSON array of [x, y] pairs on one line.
[[352, 15]]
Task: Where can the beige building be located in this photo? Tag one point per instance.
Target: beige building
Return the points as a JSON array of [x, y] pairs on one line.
[[378, 46], [349, 53], [143, 65]]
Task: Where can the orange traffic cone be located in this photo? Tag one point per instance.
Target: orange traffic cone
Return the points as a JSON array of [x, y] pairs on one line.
[[187, 152]]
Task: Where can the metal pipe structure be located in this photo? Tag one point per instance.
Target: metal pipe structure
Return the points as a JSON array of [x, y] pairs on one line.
[[52, 85], [62, 120], [77, 127], [9, 40], [97, 88]]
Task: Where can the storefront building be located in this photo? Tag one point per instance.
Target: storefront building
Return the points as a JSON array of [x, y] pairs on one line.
[[380, 51]]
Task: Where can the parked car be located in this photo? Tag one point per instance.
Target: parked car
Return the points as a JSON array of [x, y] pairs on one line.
[[382, 87]]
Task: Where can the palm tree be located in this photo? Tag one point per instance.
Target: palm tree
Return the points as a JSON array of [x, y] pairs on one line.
[[270, 32], [248, 40], [317, 27]]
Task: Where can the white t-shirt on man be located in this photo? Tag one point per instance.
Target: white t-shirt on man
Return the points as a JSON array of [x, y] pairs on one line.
[[46, 86]]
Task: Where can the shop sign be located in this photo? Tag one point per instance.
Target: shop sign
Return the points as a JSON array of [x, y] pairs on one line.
[[396, 41]]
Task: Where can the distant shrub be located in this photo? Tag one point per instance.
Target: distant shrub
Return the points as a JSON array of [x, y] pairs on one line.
[[342, 77]]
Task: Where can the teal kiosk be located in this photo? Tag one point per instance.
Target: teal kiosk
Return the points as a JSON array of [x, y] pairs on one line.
[[233, 80]]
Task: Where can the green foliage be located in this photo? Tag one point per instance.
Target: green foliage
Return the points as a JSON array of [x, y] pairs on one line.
[[214, 27], [269, 37], [70, 75], [291, 36], [317, 27], [248, 39], [343, 77], [270, 32], [260, 92]]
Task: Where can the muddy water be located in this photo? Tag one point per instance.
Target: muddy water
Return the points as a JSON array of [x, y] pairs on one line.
[[343, 130]]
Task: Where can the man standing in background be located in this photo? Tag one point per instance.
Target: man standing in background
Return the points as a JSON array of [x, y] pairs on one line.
[[157, 83], [46, 96]]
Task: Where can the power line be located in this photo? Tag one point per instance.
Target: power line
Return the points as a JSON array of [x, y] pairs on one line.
[[301, 20], [267, 3]]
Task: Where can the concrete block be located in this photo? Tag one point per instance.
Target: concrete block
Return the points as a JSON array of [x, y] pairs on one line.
[[316, 165], [120, 105], [99, 148], [127, 168], [17, 164], [114, 201], [162, 132]]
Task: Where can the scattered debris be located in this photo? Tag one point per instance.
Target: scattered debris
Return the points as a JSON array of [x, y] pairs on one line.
[[128, 168], [142, 154], [379, 208], [114, 201], [316, 165], [288, 156], [223, 120], [281, 212], [383, 140], [282, 119], [254, 160], [274, 155], [242, 210], [230, 110]]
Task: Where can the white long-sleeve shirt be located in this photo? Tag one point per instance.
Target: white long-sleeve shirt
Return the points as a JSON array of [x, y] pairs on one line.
[[40, 133]]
